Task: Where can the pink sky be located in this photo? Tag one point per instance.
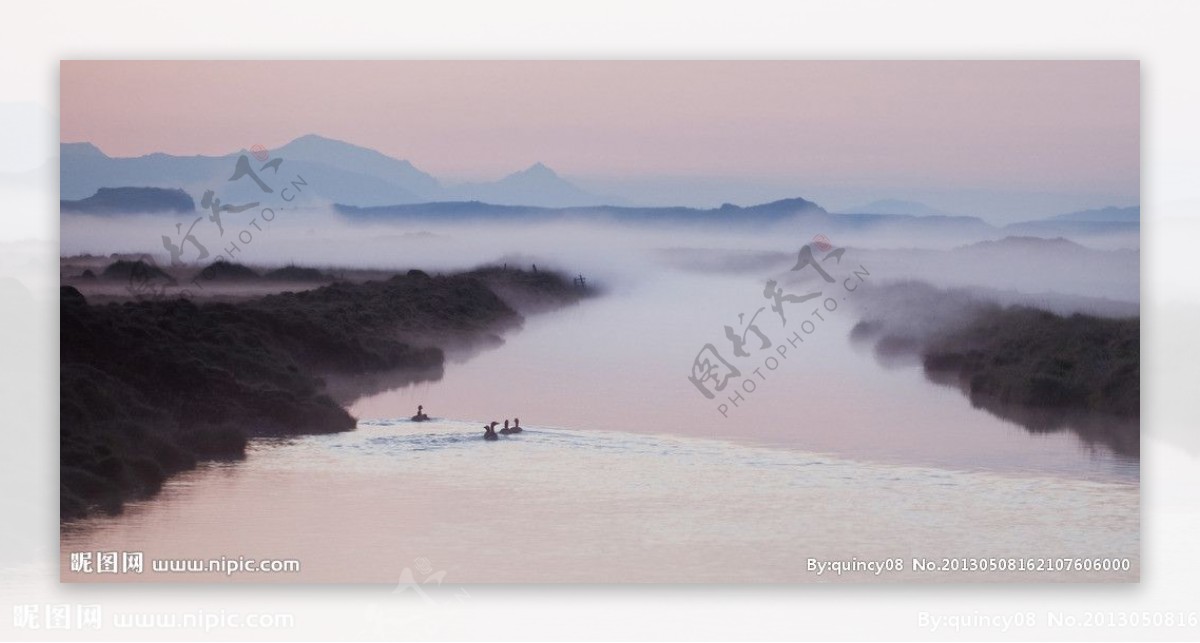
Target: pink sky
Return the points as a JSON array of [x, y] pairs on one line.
[[1055, 126]]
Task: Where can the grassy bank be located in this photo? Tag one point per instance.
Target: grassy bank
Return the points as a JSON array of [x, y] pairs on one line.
[[151, 388], [1043, 370], [1030, 357]]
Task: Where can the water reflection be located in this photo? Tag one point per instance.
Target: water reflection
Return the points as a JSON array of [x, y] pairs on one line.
[[1118, 435]]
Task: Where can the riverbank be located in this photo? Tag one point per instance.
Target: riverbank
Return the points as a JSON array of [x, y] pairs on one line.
[[150, 388], [1043, 370]]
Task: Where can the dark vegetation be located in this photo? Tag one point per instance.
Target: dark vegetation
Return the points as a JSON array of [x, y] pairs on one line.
[[141, 271], [531, 290], [1044, 371], [297, 273], [222, 270], [135, 271], [150, 388], [1034, 358], [229, 271]]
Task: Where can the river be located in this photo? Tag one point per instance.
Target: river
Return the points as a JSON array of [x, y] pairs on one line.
[[628, 473]]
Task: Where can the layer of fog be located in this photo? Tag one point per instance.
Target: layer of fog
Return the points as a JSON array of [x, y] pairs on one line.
[[613, 254]]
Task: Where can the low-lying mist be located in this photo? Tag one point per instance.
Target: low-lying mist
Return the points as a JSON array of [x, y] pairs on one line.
[[614, 254]]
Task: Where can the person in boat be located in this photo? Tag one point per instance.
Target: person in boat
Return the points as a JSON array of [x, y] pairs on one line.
[[489, 431], [420, 416]]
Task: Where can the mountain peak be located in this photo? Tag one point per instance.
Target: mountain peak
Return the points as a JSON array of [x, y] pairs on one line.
[[794, 204], [535, 185], [317, 138], [325, 141], [536, 174], [313, 142], [538, 169], [363, 160], [84, 149]]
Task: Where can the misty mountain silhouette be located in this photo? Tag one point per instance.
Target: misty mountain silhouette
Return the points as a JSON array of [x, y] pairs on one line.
[[479, 211], [132, 201], [1057, 244], [896, 206], [84, 169], [1101, 221], [535, 185], [1103, 215], [365, 183], [337, 171], [361, 160]]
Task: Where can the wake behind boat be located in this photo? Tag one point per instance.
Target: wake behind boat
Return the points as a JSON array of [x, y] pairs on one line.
[[489, 430]]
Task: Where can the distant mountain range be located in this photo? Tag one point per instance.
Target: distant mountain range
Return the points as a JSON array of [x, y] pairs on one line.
[[364, 184], [1103, 215], [806, 214], [1085, 223], [476, 211], [896, 206], [336, 171], [1081, 224]]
